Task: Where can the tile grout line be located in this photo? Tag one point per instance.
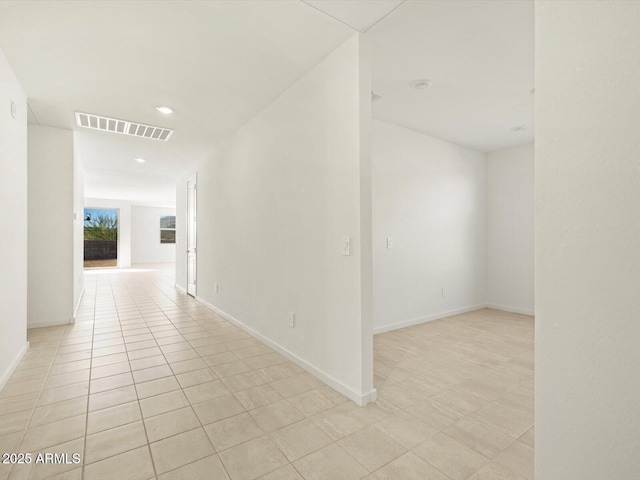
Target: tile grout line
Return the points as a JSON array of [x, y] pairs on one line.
[[190, 404], [86, 425], [144, 425], [35, 406], [158, 307]]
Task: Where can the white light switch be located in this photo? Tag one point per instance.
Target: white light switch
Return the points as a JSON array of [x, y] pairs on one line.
[[292, 320], [389, 242], [346, 246], [215, 288]]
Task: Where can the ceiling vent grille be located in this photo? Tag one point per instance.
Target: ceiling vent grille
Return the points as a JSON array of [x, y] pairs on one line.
[[107, 124]]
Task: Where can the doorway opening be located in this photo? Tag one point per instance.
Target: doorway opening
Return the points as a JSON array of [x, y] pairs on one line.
[[100, 237]]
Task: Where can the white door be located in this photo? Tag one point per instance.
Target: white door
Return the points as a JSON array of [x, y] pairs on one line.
[[191, 236]]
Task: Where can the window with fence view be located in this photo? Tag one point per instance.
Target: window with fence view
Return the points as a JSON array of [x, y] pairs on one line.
[[168, 229], [100, 237]]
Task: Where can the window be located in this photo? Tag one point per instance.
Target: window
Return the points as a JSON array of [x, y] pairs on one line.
[[168, 229]]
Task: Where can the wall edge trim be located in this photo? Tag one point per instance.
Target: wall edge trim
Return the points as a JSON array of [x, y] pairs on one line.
[[428, 318], [360, 399], [75, 310], [6, 375], [51, 323], [506, 308]]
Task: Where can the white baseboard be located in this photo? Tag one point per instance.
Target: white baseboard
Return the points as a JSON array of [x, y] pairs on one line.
[[427, 318], [360, 399], [6, 375], [510, 309], [180, 289], [51, 323], [371, 397]]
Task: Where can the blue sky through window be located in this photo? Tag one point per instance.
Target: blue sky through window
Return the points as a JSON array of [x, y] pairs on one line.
[[94, 212]]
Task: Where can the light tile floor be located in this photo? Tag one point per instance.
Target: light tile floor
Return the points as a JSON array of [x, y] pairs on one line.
[[149, 384]]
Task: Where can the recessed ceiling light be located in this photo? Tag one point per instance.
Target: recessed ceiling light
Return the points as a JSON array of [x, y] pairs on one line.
[[517, 128], [421, 84], [140, 160], [164, 110]]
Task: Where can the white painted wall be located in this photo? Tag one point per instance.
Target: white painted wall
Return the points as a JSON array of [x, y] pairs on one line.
[[273, 206], [429, 197], [124, 226], [51, 229], [145, 236], [587, 240], [78, 227], [13, 228], [510, 229]]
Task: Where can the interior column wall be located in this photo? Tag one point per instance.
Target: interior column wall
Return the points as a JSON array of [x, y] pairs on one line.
[[78, 228], [51, 226], [13, 227], [276, 204], [587, 187]]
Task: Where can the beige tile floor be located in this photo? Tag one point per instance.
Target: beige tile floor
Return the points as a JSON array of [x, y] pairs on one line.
[[149, 384]]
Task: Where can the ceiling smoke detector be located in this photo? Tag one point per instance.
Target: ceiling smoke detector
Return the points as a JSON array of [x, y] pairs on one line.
[[124, 127], [140, 160], [421, 84]]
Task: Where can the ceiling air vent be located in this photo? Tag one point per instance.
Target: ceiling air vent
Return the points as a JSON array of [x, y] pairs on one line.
[[107, 124]]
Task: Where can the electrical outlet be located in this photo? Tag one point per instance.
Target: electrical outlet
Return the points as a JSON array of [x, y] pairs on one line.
[[389, 242], [292, 320]]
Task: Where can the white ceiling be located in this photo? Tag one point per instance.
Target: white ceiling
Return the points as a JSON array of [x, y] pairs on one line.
[[218, 63], [357, 14], [480, 58]]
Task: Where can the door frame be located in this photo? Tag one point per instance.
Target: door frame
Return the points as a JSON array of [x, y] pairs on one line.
[[192, 289]]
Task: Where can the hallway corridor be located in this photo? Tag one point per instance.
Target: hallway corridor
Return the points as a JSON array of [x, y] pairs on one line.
[[150, 384]]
